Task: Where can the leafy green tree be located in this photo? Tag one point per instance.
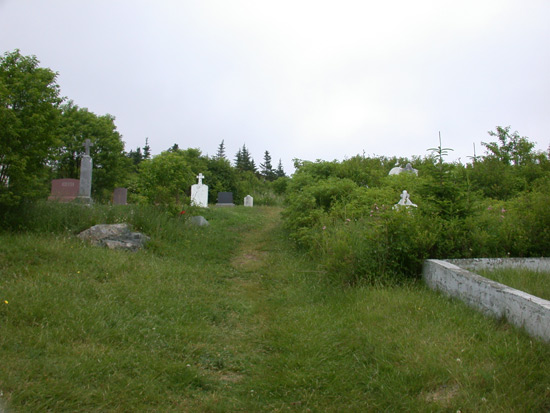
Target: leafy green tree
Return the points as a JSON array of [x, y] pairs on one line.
[[220, 177], [510, 147], [109, 161], [165, 179], [195, 160], [29, 100], [509, 166]]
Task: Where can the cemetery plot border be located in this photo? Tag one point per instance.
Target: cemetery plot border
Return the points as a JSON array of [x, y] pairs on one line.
[[490, 297]]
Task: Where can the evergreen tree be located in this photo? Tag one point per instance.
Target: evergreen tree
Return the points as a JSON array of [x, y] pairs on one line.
[[280, 173], [146, 150], [239, 159], [221, 151], [135, 156], [243, 160], [266, 169]]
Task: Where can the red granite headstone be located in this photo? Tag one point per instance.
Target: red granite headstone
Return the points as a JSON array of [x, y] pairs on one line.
[[64, 190]]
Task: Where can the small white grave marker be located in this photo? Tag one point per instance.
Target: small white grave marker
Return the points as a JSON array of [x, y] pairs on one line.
[[248, 201]]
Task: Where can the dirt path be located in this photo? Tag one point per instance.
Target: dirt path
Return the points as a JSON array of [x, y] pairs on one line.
[[254, 250]]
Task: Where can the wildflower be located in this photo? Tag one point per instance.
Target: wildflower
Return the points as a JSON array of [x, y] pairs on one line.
[[489, 208], [6, 302], [182, 212], [503, 210], [348, 220], [324, 227], [78, 272]]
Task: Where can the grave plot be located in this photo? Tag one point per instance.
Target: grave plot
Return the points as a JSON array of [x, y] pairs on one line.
[[492, 298]]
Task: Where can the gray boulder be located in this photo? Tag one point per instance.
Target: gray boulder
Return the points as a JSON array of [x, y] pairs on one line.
[[114, 236], [199, 221]]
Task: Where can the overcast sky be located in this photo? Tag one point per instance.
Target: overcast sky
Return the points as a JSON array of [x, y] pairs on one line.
[[301, 79]]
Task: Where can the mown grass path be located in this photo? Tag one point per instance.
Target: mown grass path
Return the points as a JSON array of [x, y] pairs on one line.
[[233, 318]]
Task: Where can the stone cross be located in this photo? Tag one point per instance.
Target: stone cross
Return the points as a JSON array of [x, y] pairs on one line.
[[87, 143], [200, 176]]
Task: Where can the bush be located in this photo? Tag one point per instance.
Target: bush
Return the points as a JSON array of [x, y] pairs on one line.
[[390, 245], [357, 236]]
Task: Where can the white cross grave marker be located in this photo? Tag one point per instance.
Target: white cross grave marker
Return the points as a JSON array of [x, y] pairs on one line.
[[200, 177]]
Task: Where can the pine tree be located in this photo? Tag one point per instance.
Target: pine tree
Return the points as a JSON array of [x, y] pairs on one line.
[[239, 160], [280, 173], [135, 156], [243, 160], [266, 169], [221, 151], [146, 149]]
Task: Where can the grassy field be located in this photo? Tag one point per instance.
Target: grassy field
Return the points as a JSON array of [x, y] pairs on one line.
[[533, 282], [231, 318]]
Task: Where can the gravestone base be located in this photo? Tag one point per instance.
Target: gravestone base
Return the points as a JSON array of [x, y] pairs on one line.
[[225, 205]]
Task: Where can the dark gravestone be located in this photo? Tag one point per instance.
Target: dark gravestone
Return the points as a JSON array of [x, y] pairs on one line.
[[64, 190], [120, 196], [225, 199]]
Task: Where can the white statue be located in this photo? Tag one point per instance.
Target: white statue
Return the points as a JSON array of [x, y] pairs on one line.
[[398, 170], [405, 200]]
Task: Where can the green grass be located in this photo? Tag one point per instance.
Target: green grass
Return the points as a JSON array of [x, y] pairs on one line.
[[232, 318], [533, 282]]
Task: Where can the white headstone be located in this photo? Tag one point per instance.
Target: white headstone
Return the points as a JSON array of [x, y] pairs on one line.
[[248, 201], [199, 193]]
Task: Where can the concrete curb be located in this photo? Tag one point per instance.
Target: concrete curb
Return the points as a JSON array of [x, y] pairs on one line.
[[490, 297]]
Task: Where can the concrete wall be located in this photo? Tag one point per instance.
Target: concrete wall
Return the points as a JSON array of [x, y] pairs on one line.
[[492, 298], [474, 264]]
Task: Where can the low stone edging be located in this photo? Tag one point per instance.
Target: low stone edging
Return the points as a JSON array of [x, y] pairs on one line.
[[492, 298]]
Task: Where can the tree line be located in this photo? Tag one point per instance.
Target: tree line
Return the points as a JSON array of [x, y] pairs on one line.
[[42, 138]]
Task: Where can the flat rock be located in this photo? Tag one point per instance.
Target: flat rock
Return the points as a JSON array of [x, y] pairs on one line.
[[114, 236]]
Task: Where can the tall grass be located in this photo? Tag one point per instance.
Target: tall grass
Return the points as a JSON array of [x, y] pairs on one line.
[[231, 318], [533, 282]]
